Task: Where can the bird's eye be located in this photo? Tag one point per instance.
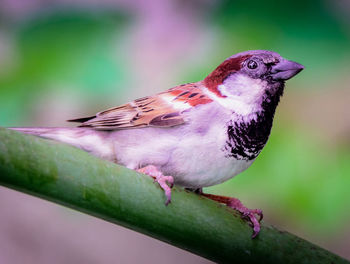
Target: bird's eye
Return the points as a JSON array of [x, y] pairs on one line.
[[252, 64]]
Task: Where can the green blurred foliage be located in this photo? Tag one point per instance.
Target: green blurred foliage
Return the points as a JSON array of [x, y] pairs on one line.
[[62, 48]]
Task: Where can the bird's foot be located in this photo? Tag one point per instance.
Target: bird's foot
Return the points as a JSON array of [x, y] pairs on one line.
[[165, 182], [248, 214]]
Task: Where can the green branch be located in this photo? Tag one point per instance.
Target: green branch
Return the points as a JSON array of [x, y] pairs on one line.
[[69, 176]]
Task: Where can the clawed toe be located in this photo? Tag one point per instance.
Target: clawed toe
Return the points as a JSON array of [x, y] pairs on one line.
[[260, 214], [251, 215], [169, 180], [253, 212], [165, 182], [253, 221]]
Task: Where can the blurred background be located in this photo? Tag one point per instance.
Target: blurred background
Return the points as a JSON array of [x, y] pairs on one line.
[[62, 59]]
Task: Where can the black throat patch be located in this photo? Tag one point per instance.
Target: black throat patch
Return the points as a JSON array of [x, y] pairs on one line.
[[247, 139]]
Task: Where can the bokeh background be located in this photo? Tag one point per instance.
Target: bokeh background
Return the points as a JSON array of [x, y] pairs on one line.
[[62, 59]]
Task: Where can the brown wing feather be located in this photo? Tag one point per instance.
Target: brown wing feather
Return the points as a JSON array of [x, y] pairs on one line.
[[149, 111]]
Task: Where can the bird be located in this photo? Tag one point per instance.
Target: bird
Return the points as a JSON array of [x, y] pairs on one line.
[[193, 135]]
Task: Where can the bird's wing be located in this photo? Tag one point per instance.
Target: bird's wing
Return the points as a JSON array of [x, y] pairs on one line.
[[162, 110]]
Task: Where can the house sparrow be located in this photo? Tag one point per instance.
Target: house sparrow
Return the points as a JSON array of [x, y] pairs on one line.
[[193, 135]]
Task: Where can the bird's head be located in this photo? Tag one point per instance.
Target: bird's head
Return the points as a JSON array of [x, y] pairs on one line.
[[247, 81]]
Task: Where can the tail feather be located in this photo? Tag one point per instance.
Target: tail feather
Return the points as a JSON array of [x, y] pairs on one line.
[[37, 131], [95, 142], [81, 120], [57, 133]]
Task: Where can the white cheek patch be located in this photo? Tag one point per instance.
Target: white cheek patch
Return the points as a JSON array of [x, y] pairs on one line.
[[247, 89], [244, 95]]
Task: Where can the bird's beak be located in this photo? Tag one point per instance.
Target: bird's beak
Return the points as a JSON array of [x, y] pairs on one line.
[[285, 70]]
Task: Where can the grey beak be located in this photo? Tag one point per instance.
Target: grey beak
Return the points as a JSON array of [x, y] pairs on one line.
[[285, 70]]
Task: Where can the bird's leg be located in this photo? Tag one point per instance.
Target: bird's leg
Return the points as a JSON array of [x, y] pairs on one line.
[[236, 204], [163, 181]]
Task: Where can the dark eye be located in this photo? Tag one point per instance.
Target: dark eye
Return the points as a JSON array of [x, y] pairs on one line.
[[252, 64]]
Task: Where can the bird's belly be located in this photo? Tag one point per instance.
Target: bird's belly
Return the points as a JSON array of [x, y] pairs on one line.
[[200, 161], [211, 173]]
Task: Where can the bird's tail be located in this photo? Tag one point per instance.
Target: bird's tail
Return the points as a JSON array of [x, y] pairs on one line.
[[66, 135], [95, 142]]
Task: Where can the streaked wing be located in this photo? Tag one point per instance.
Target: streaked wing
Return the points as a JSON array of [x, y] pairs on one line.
[[162, 110]]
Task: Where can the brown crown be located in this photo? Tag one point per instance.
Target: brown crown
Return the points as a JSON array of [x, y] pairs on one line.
[[218, 76]]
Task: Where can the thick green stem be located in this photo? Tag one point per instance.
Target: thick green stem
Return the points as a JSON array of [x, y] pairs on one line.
[[69, 176]]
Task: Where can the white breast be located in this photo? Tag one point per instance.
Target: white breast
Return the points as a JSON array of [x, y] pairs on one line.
[[192, 153], [200, 160]]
